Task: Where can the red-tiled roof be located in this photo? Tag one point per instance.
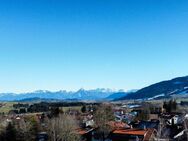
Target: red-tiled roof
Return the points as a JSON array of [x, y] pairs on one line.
[[130, 132], [140, 132], [83, 131], [118, 125]]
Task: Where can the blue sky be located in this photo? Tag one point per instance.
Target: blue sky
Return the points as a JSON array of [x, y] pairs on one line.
[[72, 44]]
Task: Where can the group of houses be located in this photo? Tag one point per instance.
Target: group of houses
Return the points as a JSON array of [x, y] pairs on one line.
[[126, 126]]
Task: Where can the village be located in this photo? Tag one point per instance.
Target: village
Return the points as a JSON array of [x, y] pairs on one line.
[[93, 70], [108, 121]]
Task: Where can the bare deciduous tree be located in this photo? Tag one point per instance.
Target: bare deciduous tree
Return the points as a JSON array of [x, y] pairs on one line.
[[26, 129], [2, 126], [63, 128], [1, 123], [102, 116]]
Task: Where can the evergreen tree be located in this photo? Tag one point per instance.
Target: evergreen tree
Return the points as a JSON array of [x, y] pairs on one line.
[[83, 109]]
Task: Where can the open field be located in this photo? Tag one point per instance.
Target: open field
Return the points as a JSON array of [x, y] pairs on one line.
[[6, 107], [71, 108]]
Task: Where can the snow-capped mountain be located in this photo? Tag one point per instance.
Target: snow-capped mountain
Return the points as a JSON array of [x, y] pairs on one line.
[[82, 94], [165, 89]]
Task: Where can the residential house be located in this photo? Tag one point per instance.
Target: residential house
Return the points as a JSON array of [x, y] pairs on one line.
[[134, 135]]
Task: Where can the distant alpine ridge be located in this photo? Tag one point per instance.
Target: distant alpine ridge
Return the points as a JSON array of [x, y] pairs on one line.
[[96, 94], [177, 87]]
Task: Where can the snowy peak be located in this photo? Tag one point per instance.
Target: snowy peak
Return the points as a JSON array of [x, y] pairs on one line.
[[81, 94]]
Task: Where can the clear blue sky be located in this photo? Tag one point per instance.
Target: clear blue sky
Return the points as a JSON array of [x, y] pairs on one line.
[[69, 44]]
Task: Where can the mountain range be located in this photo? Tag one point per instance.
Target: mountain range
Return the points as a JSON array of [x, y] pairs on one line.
[[81, 94], [164, 89]]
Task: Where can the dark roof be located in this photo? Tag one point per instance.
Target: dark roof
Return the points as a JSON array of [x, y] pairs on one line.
[[147, 124]]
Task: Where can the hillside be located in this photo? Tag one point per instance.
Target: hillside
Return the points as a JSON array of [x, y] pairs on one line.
[[176, 86]]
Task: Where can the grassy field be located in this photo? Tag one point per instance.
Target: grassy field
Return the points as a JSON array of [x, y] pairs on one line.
[[71, 108], [181, 99], [7, 106]]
